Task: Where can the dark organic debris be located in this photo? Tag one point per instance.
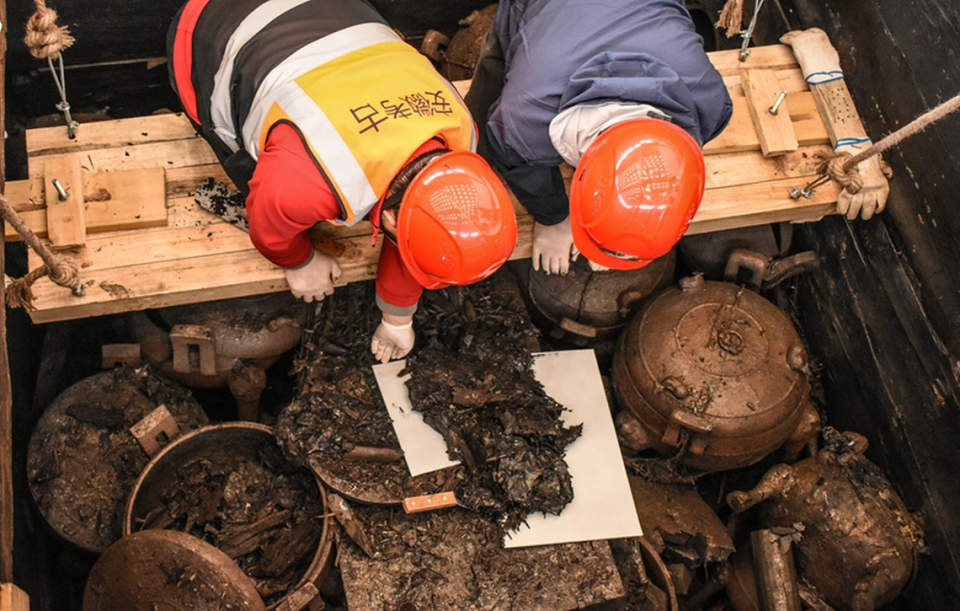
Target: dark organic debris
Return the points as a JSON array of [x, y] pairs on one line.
[[338, 426], [82, 460], [473, 381], [454, 559], [261, 510]]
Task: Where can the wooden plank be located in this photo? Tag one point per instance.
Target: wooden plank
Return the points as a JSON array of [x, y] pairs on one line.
[[776, 57], [769, 111], [63, 192], [13, 598], [222, 275], [106, 134], [136, 200], [165, 154], [732, 169], [740, 134], [760, 204]]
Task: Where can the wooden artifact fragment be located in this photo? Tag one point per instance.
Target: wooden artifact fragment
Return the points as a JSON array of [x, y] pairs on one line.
[[774, 568], [148, 431]]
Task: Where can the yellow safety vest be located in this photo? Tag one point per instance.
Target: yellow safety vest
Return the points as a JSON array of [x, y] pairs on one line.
[[363, 113]]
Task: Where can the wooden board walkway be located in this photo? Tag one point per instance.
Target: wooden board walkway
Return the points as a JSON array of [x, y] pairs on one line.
[[135, 258]]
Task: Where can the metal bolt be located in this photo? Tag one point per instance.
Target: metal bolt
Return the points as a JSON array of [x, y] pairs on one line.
[[61, 192], [80, 290], [773, 110]]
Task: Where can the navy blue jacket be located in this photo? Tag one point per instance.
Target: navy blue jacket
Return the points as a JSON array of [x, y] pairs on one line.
[[560, 53]]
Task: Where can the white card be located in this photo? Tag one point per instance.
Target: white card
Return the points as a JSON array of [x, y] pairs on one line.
[[602, 506], [424, 448]]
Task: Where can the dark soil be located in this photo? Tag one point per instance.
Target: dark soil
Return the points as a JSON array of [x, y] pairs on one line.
[[454, 560], [82, 460], [471, 379]]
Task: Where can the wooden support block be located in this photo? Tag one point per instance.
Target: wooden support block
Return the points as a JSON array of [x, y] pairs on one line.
[[63, 192], [768, 106], [740, 135], [13, 598], [113, 201]]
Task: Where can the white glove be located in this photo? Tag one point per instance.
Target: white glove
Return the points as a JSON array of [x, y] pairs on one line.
[[552, 247], [314, 279], [392, 341], [872, 197]]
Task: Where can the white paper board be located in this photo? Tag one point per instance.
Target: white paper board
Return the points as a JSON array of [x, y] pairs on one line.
[[423, 447], [602, 507]]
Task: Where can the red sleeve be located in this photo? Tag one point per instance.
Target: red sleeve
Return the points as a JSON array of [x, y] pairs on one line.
[[288, 196], [395, 285]]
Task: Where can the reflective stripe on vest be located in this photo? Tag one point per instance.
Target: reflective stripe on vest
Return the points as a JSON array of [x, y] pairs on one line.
[[221, 102], [369, 102]]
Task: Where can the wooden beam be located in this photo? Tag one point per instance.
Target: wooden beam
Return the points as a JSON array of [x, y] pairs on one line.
[[63, 192], [13, 598], [162, 154], [769, 110], [113, 201], [6, 389]]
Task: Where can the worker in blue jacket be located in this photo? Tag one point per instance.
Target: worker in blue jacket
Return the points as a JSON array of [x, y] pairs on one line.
[[554, 77]]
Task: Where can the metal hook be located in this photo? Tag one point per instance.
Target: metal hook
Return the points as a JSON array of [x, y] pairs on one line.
[[809, 189]]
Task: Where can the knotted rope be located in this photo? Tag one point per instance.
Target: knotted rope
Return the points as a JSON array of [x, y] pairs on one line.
[[842, 166], [731, 17], [62, 270], [44, 37], [46, 40]]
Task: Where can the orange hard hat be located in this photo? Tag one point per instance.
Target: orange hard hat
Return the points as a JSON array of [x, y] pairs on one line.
[[456, 224], [635, 192]]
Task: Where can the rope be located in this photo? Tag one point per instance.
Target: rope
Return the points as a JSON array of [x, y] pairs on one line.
[[731, 17], [62, 270], [44, 38], [842, 166]]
